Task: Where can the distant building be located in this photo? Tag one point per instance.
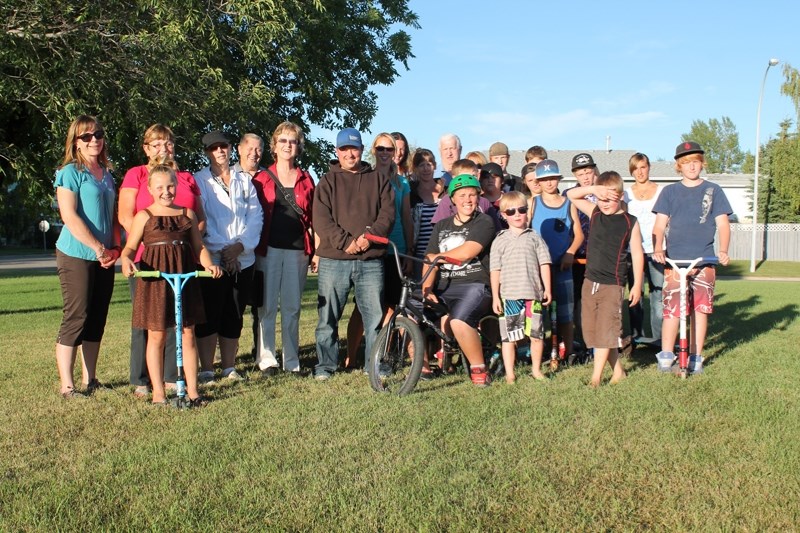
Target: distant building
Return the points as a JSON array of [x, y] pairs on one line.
[[736, 186]]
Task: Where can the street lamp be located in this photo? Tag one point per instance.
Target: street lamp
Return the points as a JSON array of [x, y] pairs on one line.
[[772, 63]]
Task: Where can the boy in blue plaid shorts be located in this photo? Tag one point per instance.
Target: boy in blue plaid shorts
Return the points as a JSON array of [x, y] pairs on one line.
[[519, 265]]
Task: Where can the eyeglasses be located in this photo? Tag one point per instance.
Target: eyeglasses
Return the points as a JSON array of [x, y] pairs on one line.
[[87, 137], [384, 149], [514, 210], [290, 142], [160, 145]]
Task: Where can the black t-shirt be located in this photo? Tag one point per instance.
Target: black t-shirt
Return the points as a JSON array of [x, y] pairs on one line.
[[286, 230], [607, 251], [447, 236]]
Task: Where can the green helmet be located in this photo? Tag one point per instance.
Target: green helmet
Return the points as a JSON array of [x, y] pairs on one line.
[[461, 181]]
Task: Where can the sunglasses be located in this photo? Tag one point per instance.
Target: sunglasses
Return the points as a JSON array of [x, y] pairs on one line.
[[384, 149], [514, 210], [290, 142], [87, 137]]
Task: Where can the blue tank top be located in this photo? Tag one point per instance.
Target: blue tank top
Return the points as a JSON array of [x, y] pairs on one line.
[[555, 227]]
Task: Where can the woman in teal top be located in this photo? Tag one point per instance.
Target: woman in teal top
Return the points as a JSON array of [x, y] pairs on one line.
[[86, 250]]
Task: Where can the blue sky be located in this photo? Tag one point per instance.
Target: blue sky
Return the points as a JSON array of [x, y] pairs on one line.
[[567, 74]]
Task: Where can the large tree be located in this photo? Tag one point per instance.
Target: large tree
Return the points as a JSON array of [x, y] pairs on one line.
[[195, 65], [779, 192], [720, 140]]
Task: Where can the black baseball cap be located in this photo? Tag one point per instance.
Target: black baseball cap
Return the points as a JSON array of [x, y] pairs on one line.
[[688, 147], [582, 161]]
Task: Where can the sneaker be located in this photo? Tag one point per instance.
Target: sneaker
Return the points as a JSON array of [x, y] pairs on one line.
[[233, 375], [696, 364], [206, 377], [480, 376], [322, 376]]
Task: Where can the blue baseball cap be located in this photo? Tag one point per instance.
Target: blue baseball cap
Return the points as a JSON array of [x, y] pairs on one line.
[[349, 137], [547, 168]]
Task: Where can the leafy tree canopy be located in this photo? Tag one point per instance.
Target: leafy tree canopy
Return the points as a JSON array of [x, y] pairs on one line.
[[194, 65], [720, 140]]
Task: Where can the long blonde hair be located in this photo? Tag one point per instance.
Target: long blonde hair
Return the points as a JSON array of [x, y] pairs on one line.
[[79, 126]]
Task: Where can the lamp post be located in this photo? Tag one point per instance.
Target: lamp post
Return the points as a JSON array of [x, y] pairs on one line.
[[772, 63]]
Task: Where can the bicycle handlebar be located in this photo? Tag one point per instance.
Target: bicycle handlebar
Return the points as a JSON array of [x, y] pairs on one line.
[[376, 238]]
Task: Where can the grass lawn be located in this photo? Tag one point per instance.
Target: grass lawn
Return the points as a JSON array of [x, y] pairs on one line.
[[717, 451]]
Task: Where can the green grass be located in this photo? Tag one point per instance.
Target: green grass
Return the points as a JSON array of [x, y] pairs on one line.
[[717, 451], [767, 269]]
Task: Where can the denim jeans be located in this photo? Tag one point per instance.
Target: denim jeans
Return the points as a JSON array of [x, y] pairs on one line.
[[654, 277], [336, 276]]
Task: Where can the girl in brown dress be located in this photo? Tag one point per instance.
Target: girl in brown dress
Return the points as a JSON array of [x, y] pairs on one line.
[[172, 242]]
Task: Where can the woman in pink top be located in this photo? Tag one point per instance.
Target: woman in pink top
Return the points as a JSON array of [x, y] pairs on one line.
[[159, 147]]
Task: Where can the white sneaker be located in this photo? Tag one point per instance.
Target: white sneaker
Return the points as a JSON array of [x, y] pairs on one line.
[[233, 376]]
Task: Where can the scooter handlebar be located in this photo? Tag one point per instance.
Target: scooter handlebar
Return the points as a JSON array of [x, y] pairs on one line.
[[691, 263], [147, 274]]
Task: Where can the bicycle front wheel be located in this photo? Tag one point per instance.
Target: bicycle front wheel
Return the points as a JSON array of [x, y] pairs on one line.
[[396, 360]]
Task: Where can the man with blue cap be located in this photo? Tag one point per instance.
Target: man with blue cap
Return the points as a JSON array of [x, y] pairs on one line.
[[351, 199]]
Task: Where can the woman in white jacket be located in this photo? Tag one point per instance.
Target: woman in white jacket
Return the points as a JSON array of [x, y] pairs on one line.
[[233, 228]]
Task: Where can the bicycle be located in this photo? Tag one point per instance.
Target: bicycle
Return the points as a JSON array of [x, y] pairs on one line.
[[396, 361]]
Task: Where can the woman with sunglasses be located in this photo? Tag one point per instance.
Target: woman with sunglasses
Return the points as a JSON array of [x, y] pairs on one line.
[[159, 147], [286, 193], [86, 250], [383, 150]]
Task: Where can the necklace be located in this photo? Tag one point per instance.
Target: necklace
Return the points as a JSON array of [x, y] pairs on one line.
[[642, 194]]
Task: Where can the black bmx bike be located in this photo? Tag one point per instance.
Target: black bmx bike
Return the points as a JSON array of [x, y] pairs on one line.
[[398, 354]]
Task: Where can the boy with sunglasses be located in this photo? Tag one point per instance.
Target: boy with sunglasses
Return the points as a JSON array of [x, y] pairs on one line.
[[519, 265], [555, 218]]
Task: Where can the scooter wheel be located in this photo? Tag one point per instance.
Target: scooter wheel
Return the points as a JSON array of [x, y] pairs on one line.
[[684, 373]]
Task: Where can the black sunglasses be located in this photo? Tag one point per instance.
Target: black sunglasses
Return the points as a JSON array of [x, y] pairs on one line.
[[384, 149], [87, 137], [514, 210]]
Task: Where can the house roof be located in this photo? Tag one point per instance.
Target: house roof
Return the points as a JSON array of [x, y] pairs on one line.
[[660, 171]]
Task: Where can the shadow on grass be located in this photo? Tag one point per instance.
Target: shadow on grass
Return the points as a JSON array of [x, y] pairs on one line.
[[732, 323]]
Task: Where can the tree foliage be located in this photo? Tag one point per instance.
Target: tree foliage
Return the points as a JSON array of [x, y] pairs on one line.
[[791, 88], [720, 140], [779, 194], [194, 65]]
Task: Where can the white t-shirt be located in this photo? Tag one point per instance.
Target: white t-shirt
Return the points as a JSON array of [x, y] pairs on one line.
[[643, 211]]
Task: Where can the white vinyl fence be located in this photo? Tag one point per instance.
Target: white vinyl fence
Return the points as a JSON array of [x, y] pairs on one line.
[[776, 242]]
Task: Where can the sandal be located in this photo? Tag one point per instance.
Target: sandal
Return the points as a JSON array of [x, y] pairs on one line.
[[195, 403], [72, 394], [141, 391]]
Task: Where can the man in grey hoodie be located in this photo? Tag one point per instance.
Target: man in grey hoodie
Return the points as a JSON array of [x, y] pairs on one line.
[[350, 200]]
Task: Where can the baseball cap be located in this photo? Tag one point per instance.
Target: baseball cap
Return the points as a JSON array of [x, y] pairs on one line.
[[582, 161], [688, 147], [462, 181], [492, 168], [547, 169], [349, 137], [498, 148], [214, 137]]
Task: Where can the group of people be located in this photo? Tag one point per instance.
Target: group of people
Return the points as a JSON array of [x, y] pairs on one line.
[[521, 244]]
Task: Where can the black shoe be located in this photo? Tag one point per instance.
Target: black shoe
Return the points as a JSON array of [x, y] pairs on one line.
[[270, 372]]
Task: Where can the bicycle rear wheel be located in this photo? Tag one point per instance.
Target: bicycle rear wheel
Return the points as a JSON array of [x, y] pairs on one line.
[[391, 368]]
